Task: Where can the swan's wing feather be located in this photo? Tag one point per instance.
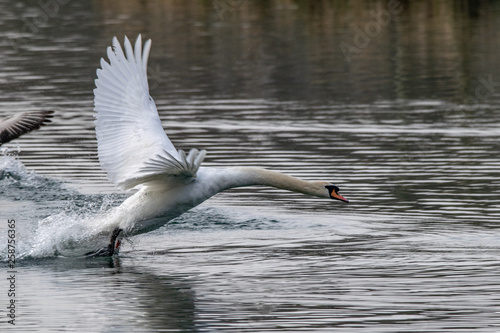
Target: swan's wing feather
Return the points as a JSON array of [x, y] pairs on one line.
[[166, 164], [128, 128], [164, 168], [14, 126]]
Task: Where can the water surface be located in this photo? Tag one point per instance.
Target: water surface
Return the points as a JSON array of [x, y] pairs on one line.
[[408, 128]]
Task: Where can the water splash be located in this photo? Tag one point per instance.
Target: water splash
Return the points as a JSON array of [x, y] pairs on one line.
[[52, 219], [65, 234], [13, 171]]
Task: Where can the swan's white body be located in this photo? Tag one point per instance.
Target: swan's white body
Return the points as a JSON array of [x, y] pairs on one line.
[[137, 155]]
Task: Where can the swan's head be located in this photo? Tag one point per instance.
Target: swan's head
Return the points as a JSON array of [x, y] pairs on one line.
[[333, 193]]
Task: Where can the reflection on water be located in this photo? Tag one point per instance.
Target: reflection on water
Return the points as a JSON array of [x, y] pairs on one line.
[[405, 121], [127, 298]]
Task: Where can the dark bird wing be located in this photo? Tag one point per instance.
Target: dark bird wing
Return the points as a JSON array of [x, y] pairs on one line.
[[14, 126]]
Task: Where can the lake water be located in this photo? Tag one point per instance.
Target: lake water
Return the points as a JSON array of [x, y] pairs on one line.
[[396, 103]]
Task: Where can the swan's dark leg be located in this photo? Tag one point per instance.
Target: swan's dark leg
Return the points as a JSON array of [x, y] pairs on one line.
[[115, 242], [113, 247]]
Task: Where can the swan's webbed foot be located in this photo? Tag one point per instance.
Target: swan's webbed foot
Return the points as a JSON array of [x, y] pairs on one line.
[[113, 247]]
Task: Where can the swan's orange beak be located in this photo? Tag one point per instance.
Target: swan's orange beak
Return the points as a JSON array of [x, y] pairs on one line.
[[333, 191], [337, 196]]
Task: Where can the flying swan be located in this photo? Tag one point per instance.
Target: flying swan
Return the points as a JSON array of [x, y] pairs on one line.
[[136, 154]]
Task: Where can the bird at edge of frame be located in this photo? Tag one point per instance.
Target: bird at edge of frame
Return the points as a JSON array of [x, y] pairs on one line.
[[19, 124]]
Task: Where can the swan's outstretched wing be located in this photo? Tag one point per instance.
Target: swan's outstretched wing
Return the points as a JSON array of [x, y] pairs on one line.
[[14, 126], [130, 137]]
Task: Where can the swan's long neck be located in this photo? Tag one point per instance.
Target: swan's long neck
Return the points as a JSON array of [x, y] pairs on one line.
[[249, 176], [152, 207]]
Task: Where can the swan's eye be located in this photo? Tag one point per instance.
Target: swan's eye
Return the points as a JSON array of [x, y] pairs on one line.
[[332, 187]]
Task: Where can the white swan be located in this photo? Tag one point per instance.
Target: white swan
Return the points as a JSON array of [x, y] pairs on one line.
[[16, 125], [136, 153]]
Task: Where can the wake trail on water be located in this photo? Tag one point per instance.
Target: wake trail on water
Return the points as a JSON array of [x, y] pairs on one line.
[[50, 218]]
